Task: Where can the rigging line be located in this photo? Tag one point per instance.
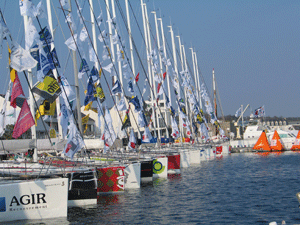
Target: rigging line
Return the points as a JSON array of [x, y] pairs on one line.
[[29, 85], [219, 100], [72, 34], [133, 42], [59, 80]]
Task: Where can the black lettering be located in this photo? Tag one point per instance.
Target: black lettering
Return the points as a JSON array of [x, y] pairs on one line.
[[14, 200], [41, 196], [32, 198], [27, 200]]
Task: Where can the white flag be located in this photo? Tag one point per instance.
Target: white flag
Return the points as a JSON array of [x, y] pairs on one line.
[[21, 59], [64, 116], [103, 36], [147, 135], [75, 141], [3, 112], [108, 68], [108, 121], [83, 34], [132, 140], [71, 43], [238, 112], [92, 54], [121, 106], [27, 8], [31, 34], [40, 11]]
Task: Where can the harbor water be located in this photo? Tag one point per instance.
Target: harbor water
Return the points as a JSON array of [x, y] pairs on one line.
[[245, 188]]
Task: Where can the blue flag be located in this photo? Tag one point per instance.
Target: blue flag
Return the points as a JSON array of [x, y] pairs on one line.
[[116, 88], [135, 101], [90, 92]]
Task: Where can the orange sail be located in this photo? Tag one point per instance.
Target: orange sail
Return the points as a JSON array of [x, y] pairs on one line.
[[262, 143], [276, 142], [296, 145]]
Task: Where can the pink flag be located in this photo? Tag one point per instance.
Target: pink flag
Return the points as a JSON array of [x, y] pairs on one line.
[[24, 121], [16, 91]]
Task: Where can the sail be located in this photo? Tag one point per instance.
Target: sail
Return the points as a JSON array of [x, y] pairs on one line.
[[276, 142], [296, 145], [262, 143]]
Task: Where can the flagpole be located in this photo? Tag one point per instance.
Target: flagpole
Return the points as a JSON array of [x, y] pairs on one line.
[[79, 120], [198, 81], [31, 102], [60, 133], [242, 117]]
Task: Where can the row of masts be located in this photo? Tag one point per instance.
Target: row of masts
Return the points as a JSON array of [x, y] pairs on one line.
[[159, 44]]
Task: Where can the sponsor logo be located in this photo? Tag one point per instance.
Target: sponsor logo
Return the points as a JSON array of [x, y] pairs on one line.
[[2, 204]]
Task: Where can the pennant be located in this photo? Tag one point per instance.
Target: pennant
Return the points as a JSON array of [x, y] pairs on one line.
[[116, 89], [3, 112], [137, 77], [121, 106], [135, 101], [46, 108], [16, 91], [83, 34], [105, 53], [145, 86], [90, 92], [92, 54], [49, 89], [130, 87], [64, 116], [147, 137], [70, 43], [175, 131], [108, 68], [85, 119], [142, 122], [88, 106], [21, 59], [31, 34], [84, 68], [26, 8], [24, 121], [68, 91], [75, 141], [100, 93], [132, 140], [103, 36], [108, 120], [126, 122], [126, 71], [164, 75], [46, 37], [238, 112]]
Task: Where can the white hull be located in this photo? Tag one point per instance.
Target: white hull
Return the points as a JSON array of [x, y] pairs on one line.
[[38, 199]]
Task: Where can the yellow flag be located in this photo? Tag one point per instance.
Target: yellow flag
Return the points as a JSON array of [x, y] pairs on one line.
[[85, 119], [86, 126], [12, 71], [100, 72], [88, 106], [46, 108]]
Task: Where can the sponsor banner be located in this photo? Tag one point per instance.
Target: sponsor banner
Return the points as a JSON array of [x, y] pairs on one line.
[[133, 176], [40, 199], [160, 167], [110, 179], [173, 162]]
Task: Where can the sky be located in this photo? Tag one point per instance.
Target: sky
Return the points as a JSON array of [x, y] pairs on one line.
[[253, 46]]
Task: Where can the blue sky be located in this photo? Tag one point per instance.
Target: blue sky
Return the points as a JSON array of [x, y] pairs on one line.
[[253, 46]]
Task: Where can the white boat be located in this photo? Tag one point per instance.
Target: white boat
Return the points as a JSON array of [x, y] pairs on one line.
[[33, 199]]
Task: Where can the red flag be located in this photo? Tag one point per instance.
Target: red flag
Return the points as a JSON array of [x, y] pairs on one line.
[[158, 87], [132, 144], [164, 75], [137, 77], [16, 91], [24, 121]]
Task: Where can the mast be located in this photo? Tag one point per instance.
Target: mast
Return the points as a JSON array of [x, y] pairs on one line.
[[93, 31], [130, 37], [194, 70], [76, 81], [60, 133], [157, 125], [198, 80], [176, 71], [161, 72], [186, 102], [215, 95], [31, 104], [148, 62]]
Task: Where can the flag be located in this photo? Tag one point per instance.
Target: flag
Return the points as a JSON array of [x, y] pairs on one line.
[[64, 116], [46, 108], [92, 54], [49, 89], [88, 106], [108, 121], [21, 59], [126, 121], [142, 122], [108, 68], [83, 34], [84, 68], [145, 86], [259, 112], [67, 88], [147, 137], [121, 106], [3, 112], [164, 75], [90, 92], [26, 8], [137, 77], [31, 34], [46, 37], [99, 93], [16, 91], [136, 103], [238, 112], [24, 121], [75, 141], [70, 43], [116, 89], [46, 60], [85, 119], [160, 89], [130, 87], [132, 140]]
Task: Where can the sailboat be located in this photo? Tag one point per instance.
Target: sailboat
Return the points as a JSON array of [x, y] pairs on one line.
[[296, 145], [262, 143], [276, 144]]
